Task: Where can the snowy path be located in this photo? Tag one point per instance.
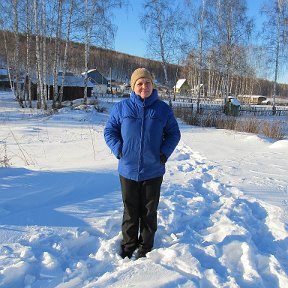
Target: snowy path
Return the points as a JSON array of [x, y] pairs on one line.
[[61, 210]]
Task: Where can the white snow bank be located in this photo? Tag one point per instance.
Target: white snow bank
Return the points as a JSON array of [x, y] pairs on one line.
[[222, 213], [282, 144]]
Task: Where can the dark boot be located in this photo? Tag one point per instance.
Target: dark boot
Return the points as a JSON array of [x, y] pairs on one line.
[[125, 254], [140, 254]]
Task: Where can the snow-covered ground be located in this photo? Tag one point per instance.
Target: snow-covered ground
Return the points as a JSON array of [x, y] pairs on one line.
[[222, 214]]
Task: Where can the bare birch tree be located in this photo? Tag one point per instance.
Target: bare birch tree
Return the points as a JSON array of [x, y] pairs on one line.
[[98, 28], [89, 22], [231, 28], [39, 54], [7, 25], [8, 60], [17, 92], [44, 54], [275, 32], [198, 22], [10, 12], [163, 24], [67, 41], [27, 83], [58, 29]]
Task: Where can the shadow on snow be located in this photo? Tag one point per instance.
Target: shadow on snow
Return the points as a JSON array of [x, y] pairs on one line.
[[41, 198]]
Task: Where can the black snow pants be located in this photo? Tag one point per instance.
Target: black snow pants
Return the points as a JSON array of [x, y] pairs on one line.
[[139, 223]]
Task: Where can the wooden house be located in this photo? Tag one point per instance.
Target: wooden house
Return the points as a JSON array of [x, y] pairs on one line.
[[4, 79], [182, 87], [73, 87], [100, 83], [198, 88]]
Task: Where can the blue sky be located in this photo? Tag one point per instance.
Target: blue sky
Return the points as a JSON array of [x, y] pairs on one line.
[[130, 37]]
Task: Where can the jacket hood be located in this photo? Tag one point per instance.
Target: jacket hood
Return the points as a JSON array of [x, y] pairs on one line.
[[147, 101]]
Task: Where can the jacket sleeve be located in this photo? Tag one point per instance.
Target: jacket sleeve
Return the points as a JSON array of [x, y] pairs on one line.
[[112, 132], [171, 135]]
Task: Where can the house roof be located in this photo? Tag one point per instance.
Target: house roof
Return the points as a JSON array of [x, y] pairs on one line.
[[3, 71], [180, 83], [196, 87], [69, 81], [96, 77]]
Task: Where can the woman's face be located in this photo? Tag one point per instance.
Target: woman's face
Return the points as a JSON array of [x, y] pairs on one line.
[[143, 87]]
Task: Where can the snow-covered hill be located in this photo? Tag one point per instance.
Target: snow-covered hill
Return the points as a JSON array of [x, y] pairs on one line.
[[222, 214]]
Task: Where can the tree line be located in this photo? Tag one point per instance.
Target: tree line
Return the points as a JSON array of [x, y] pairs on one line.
[[203, 41], [48, 28], [218, 39]]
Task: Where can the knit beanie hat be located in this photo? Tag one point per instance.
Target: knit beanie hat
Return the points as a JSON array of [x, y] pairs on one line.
[[140, 73]]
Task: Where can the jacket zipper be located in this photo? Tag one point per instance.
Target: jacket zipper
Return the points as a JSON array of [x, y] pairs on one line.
[[141, 138]]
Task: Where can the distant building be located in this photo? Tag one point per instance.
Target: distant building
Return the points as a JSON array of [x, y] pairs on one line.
[[195, 90], [100, 83], [182, 87], [125, 90], [4, 79], [253, 99], [73, 87]]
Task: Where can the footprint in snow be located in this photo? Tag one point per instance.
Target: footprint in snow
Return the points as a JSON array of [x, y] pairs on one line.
[[183, 156], [206, 177], [185, 167]]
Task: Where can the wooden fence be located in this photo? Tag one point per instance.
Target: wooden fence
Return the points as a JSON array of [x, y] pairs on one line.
[[248, 110], [190, 105]]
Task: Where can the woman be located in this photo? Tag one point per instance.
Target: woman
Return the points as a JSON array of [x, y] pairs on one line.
[[142, 133]]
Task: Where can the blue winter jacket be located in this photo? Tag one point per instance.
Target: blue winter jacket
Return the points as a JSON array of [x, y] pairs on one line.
[[137, 132]]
